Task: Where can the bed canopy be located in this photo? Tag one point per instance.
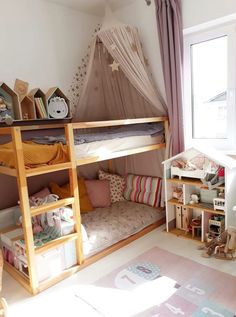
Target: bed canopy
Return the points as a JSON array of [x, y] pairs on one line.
[[118, 84]]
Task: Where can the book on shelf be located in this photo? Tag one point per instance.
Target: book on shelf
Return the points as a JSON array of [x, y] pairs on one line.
[[41, 110]]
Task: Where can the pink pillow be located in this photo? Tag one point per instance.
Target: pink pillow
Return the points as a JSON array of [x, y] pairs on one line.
[[99, 192]]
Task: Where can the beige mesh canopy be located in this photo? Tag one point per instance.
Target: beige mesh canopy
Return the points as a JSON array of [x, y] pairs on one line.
[[118, 85]]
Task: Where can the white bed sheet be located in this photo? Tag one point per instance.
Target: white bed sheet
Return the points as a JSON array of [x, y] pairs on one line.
[[100, 148]]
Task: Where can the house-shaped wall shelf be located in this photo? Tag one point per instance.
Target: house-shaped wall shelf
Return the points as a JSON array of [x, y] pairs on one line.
[[56, 92], [38, 97], [12, 100], [28, 108], [181, 182]]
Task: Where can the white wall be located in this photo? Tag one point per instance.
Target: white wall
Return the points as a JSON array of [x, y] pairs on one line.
[[199, 11], [42, 42], [143, 17]]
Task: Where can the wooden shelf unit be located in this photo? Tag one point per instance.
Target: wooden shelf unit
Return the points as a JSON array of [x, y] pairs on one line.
[[21, 174], [194, 186]]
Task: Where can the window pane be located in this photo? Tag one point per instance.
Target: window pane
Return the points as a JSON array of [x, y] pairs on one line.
[[209, 89]]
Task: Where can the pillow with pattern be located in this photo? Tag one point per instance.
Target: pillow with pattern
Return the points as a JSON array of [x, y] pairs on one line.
[[117, 184], [143, 189]]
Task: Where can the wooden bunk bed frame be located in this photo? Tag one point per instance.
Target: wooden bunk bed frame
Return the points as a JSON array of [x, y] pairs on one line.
[[21, 173]]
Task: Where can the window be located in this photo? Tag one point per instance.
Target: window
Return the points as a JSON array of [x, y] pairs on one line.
[[209, 84]]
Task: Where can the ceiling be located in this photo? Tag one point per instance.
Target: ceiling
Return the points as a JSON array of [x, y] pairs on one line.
[[93, 6]]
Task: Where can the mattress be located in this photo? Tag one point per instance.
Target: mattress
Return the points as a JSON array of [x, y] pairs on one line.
[[107, 226], [99, 148]]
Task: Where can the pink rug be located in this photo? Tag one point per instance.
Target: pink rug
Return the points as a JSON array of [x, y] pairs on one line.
[[159, 283]]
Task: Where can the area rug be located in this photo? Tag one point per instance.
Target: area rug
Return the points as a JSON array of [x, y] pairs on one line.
[[161, 284]]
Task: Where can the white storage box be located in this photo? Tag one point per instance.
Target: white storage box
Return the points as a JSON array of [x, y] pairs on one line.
[[52, 262]]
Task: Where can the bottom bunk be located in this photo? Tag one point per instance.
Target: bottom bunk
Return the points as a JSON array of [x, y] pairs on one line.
[[107, 226]]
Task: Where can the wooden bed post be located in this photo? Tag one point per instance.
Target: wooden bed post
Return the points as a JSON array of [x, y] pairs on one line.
[[74, 191], [110, 166], [25, 207]]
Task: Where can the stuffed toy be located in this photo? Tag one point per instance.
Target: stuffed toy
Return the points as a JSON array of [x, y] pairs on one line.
[[5, 111]]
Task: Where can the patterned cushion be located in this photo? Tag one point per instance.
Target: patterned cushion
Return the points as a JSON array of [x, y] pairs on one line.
[[117, 183], [143, 189]]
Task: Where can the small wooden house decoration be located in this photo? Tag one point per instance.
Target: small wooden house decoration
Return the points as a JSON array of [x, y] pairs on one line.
[[28, 108], [38, 97], [56, 93], [189, 171], [12, 100]]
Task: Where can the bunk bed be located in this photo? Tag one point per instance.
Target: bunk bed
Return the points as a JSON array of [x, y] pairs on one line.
[[73, 161]]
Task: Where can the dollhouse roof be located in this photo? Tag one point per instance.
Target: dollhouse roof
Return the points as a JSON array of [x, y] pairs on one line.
[[212, 154]]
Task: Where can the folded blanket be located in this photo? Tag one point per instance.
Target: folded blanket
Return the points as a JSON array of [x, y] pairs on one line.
[[34, 154]]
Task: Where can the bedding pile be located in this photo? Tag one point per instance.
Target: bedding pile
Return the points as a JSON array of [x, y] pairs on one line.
[[34, 154], [102, 134]]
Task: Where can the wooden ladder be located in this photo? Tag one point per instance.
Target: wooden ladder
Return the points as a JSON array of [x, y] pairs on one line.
[[27, 212]]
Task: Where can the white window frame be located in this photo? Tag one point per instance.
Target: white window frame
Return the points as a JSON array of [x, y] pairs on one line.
[[228, 144]]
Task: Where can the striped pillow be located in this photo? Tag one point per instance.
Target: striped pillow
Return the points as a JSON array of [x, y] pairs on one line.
[[143, 189]]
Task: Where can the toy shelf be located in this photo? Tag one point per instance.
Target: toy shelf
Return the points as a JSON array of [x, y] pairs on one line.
[[190, 181], [190, 202]]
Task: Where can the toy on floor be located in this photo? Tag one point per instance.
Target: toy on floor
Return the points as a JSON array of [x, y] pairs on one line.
[[226, 250], [223, 246]]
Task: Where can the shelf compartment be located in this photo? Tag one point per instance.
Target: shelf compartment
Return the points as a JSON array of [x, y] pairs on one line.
[[50, 206], [190, 181], [174, 201], [93, 159], [54, 243], [199, 206], [183, 234], [48, 169], [202, 207], [28, 108]]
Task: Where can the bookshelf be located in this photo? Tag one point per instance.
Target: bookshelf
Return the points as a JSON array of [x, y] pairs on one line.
[[12, 99], [28, 108], [39, 100], [53, 93]]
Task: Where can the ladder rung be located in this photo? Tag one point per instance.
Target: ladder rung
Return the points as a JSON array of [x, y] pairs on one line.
[[48, 169], [50, 206], [54, 243]]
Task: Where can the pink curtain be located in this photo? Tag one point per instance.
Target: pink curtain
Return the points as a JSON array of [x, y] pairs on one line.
[[169, 23]]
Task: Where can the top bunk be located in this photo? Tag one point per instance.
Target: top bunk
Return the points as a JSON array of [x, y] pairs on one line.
[[81, 143]]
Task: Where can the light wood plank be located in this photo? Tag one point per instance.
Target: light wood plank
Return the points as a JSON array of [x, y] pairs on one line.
[[8, 171], [93, 159], [199, 206], [99, 124], [190, 181], [5, 131], [73, 177], [42, 127], [21, 278], [207, 209], [56, 242], [25, 207], [50, 206], [47, 169]]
